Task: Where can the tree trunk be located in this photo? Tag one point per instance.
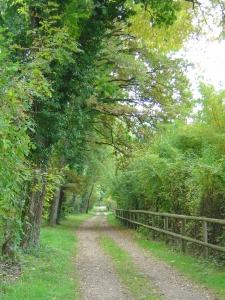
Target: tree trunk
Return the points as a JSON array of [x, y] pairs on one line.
[[38, 218], [56, 200], [54, 207], [32, 214], [60, 206], [9, 244], [88, 198]]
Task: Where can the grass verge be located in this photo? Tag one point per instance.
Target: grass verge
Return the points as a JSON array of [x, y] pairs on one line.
[[205, 272], [49, 271], [136, 283]]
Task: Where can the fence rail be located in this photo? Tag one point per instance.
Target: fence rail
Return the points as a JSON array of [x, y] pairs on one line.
[[139, 218]]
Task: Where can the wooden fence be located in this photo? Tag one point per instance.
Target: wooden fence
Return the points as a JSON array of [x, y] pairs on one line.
[[144, 218]]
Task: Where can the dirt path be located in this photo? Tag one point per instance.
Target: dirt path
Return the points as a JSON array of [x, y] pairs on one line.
[[99, 281]]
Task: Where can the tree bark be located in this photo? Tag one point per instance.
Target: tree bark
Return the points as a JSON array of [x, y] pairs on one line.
[[54, 207], [88, 198], [32, 213], [60, 206], [56, 200]]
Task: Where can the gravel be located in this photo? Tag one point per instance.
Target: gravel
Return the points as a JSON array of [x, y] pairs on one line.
[[99, 280]]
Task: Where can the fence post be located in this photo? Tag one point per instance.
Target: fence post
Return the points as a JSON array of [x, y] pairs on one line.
[[166, 228], [183, 233], [131, 219], [153, 225], [134, 219], [128, 217], [123, 222], [144, 218], [138, 219], [205, 238]]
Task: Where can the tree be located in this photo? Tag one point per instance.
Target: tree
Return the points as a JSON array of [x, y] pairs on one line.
[[73, 93], [211, 107], [16, 100]]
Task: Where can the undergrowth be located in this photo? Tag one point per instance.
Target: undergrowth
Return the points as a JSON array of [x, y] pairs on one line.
[[48, 272]]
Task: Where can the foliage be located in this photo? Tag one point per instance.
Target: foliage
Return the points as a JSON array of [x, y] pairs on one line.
[[73, 77], [15, 123], [175, 174], [164, 38], [181, 170]]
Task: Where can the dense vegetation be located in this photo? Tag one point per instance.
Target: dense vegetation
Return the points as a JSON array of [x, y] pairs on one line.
[[94, 106]]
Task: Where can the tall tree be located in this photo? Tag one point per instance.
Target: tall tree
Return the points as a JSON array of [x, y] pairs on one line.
[[81, 71]]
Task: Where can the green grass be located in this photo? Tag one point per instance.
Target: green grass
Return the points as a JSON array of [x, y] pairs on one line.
[[135, 282], [48, 272], [97, 226], [205, 272]]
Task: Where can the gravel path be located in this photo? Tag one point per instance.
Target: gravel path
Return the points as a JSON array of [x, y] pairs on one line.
[[99, 281]]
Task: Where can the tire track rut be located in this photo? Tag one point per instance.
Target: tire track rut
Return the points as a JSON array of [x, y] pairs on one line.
[[99, 280]]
